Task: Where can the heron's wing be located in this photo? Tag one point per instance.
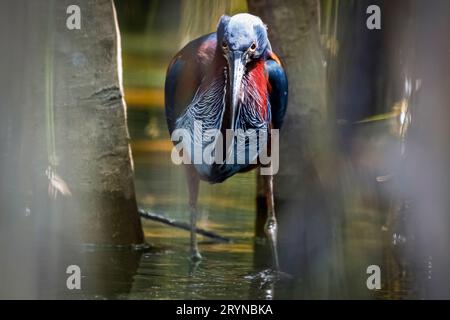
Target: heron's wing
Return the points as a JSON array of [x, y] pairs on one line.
[[278, 90], [185, 74]]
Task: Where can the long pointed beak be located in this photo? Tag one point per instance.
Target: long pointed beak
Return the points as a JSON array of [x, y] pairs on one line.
[[236, 74]]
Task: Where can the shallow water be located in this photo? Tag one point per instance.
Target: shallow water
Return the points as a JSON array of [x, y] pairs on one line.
[[236, 270], [35, 266], [227, 209], [163, 270]]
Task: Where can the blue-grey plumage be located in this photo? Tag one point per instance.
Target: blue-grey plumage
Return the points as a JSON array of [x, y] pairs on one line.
[[228, 80]]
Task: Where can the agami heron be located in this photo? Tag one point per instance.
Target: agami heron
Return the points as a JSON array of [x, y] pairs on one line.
[[229, 80]]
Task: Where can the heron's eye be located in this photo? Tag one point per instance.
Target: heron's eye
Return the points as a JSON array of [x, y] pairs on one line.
[[224, 45], [253, 47]]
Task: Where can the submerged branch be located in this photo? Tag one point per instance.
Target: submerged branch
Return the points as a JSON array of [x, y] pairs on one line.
[[182, 225]]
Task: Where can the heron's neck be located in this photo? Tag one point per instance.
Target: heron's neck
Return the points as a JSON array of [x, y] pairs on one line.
[[255, 84], [253, 103]]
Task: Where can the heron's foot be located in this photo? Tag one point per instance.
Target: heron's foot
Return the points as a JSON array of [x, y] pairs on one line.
[[193, 266], [195, 256], [275, 274], [271, 233], [269, 277]]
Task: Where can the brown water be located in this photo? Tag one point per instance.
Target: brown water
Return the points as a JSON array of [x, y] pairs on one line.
[[227, 270], [34, 266], [236, 270], [163, 270], [227, 209], [329, 252]]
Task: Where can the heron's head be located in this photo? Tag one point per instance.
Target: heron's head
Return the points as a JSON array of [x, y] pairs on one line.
[[242, 39]]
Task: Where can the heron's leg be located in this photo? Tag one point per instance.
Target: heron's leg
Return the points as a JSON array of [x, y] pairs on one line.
[[193, 186], [271, 223]]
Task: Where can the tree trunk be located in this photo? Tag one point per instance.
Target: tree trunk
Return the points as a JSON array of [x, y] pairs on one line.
[[91, 137], [63, 109], [303, 185]]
